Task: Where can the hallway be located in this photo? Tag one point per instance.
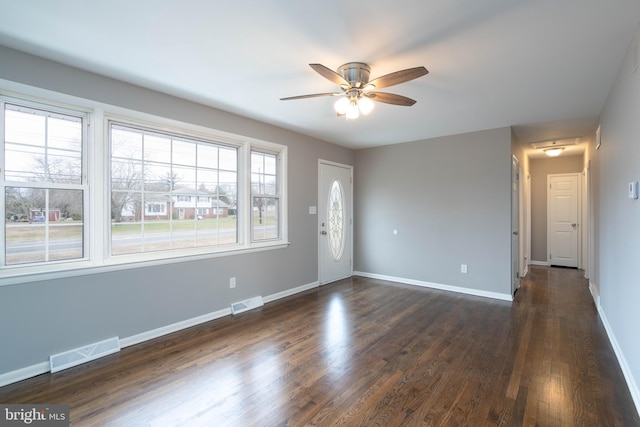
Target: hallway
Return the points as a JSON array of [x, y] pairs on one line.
[[565, 371]]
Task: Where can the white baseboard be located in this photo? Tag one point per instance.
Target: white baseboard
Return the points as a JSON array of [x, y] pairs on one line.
[[290, 292], [622, 361], [24, 373], [595, 294], [458, 289], [44, 367], [175, 327], [543, 263]]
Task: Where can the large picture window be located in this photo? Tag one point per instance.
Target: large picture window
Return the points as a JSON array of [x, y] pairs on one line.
[[44, 183], [179, 181]]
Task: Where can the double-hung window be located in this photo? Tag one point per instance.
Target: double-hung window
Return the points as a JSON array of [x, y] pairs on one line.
[[44, 183], [265, 196]]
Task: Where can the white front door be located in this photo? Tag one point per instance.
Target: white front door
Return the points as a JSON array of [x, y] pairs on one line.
[[562, 219], [334, 222]]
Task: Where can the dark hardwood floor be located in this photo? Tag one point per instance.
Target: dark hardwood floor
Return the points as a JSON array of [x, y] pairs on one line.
[[365, 352]]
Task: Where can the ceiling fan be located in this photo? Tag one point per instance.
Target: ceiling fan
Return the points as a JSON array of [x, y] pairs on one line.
[[357, 92]]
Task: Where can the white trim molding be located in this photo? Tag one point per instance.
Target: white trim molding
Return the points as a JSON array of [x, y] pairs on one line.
[[543, 263], [450, 288], [595, 294], [622, 361], [175, 327], [24, 373], [289, 292]]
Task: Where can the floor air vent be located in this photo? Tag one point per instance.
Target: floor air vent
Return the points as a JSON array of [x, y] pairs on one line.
[[84, 354], [248, 304]]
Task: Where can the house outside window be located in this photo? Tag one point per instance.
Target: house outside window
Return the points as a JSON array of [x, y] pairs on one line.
[[156, 208]]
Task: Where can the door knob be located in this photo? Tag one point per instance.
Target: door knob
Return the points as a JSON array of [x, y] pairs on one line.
[[323, 232]]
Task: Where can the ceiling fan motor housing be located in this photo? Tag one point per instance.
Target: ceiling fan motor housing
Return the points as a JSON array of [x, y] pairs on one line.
[[356, 73]]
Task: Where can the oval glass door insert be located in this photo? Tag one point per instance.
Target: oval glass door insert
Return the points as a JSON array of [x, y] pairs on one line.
[[336, 220]]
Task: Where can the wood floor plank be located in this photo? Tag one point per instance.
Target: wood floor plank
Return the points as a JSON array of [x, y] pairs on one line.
[[364, 352]]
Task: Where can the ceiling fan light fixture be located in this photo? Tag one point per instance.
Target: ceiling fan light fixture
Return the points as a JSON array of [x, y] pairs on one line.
[[366, 105], [353, 111], [358, 92], [341, 106]]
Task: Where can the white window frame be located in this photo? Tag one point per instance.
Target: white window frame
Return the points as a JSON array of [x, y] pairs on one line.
[[163, 210], [84, 186], [96, 158], [192, 199], [276, 196]]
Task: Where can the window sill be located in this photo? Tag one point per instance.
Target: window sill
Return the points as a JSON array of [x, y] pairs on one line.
[[17, 275]]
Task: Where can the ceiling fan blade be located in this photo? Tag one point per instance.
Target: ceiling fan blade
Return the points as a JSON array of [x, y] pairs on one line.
[[329, 74], [391, 98], [313, 95], [399, 77]]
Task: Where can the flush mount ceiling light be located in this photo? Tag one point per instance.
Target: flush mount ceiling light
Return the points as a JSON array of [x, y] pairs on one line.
[[358, 93], [553, 152], [554, 148]]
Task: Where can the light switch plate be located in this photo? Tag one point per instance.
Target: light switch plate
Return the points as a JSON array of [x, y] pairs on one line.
[[633, 190]]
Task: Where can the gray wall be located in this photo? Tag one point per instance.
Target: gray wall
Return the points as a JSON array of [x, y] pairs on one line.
[[617, 218], [41, 318], [449, 199], [539, 169]]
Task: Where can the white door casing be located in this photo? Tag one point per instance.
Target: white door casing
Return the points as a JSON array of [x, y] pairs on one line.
[[335, 207], [563, 209], [515, 224], [585, 259]]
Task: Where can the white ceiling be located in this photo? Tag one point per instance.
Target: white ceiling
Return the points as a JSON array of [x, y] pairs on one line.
[[543, 66]]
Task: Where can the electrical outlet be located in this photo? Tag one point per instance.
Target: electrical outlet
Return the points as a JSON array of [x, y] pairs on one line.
[[463, 268], [232, 282]]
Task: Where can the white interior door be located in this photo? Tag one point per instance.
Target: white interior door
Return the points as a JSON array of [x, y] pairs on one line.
[[334, 222], [515, 225], [562, 219]]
